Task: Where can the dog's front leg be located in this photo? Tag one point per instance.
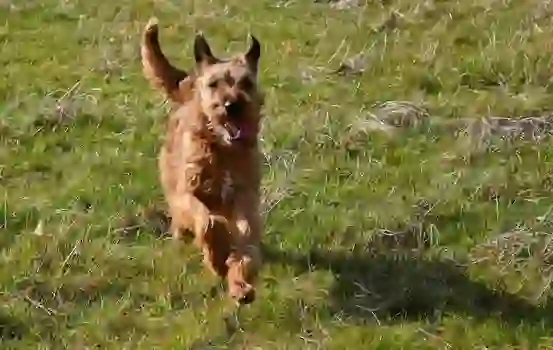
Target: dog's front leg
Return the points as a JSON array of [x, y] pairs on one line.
[[189, 212], [245, 259], [210, 230], [247, 218]]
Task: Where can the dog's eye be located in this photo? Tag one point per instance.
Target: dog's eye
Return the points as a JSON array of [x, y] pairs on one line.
[[246, 84], [212, 84]]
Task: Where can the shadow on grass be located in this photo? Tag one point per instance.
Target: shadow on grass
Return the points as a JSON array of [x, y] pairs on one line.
[[378, 287], [11, 328], [392, 281]]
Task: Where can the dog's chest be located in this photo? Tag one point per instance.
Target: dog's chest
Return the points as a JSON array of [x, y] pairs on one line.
[[224, 176], [217, 185], [227, 188]]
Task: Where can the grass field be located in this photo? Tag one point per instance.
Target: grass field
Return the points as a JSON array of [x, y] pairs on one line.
[[396, 217]]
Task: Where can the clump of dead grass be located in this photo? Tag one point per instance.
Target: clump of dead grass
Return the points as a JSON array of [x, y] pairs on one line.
[[354, 65], [277, 184], [533, 129], [401, 114], [72, 106], [478, 133], [389, 117], [520, 261]]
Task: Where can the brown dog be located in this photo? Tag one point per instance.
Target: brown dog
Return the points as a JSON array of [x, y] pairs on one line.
[[210, 162]]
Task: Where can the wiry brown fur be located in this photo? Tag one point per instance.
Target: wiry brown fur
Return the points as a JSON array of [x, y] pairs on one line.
[[210, 162]]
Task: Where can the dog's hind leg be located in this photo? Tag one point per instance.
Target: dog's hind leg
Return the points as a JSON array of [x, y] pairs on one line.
[[217, 247], [188, 212]]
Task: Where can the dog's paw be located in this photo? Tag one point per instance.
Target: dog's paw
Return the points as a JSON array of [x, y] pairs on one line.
[[215, 220], [242, 293]]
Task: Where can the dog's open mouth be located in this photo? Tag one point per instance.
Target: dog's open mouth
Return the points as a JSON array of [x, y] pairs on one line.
[[235, 127], [237, 131], [234, 131]]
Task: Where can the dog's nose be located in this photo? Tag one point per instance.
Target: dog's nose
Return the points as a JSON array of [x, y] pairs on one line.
[[233, 108], [229, 98]]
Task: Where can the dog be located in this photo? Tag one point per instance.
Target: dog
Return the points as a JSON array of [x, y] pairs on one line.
[[210, 162]]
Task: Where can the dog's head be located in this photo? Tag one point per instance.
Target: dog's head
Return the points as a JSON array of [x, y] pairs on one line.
[[225, 90], [242, 272]]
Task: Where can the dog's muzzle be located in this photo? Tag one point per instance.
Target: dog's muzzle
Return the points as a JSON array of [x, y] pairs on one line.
[[234, 133], [236, 125]]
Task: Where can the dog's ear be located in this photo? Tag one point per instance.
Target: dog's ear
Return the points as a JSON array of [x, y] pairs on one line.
[[253, 54], [156, 68], [202, 52]]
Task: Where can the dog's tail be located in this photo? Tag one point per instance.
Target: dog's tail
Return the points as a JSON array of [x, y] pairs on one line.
[[161, 74]]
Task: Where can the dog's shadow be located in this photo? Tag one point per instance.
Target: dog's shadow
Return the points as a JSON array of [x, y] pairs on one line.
[[385, 285], [381, 288]]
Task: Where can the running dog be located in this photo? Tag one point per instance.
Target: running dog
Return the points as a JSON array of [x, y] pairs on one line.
[[210, 162]]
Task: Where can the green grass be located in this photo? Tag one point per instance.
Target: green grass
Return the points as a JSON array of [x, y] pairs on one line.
[[416, 239]]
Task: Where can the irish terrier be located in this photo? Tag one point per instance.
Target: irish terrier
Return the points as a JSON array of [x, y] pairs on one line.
[[210, 163]]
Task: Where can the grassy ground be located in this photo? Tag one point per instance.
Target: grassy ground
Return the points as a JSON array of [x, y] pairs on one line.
[[380, 235]]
